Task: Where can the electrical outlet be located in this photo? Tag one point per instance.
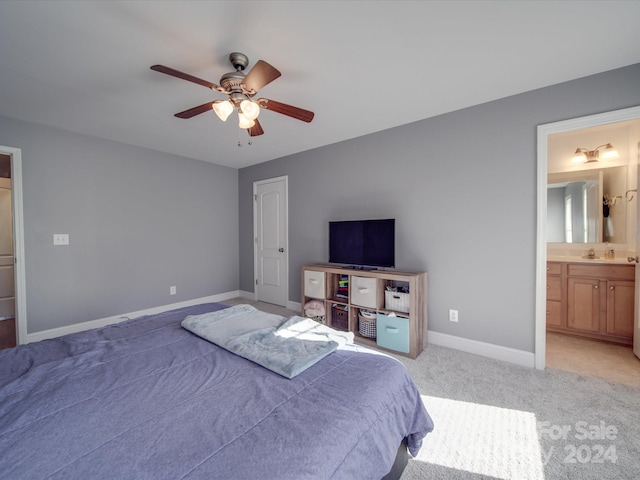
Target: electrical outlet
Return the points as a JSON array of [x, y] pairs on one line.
[[61, 239], [453, 315], [172, 290]]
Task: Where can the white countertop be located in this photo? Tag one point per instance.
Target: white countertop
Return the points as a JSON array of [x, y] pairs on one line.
[[579, 259]]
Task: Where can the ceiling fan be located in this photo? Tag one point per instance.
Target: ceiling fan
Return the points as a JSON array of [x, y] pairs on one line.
[[241, 89]]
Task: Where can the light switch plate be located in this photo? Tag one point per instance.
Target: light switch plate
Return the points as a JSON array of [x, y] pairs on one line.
[[61, 239]]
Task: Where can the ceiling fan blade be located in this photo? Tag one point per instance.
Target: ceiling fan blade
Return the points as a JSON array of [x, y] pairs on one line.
[[186, 76], [260, 75], [192, 112], [284, 109], [256, 129]]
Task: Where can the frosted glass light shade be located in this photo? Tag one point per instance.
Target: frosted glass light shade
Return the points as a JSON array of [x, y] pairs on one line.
[[223, 109], [580, 156], [250, 109], [245, 122], [609, 152]]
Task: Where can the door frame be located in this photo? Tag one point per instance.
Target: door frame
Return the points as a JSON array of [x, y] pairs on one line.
[[625, 114], [18, 242], [256, 183]]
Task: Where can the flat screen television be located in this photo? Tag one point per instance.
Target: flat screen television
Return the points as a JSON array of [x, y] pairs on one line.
[[363, 243]]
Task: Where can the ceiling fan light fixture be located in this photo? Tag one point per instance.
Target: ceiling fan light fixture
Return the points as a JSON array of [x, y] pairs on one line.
[[223, 109], [250, 109], [240, 88], [245, 122]]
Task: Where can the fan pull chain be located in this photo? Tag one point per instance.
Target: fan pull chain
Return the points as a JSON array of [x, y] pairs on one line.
[[249, 142]]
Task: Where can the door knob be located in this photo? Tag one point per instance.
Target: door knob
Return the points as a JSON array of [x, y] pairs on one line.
[[281, 250]]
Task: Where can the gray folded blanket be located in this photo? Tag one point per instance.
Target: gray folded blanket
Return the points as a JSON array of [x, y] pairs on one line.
[[285, 346]]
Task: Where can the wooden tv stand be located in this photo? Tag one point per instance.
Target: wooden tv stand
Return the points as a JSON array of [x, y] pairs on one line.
[[367, 291]]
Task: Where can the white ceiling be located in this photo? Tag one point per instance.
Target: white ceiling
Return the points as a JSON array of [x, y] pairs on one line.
[[361, 66]]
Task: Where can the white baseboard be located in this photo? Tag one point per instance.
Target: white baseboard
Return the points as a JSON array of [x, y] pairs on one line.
[[247, 295], [101, 322], [297, 306], [497, 352]]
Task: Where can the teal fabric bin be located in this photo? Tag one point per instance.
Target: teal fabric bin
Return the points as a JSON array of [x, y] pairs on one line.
[[393, 332]]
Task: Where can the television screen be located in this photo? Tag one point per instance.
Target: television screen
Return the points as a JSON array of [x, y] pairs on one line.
[[363, 243]]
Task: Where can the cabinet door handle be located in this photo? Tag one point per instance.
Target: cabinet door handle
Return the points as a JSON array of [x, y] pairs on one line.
[[595, 286], [611, 287]]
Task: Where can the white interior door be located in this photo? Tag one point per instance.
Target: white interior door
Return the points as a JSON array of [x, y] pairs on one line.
[[271, 236]]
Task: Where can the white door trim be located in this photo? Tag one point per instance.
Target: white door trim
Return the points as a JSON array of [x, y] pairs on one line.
[[544, 131], [18, 235], [256, 184]]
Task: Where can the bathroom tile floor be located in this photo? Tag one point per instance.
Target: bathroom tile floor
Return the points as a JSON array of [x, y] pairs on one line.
[[594, 358]]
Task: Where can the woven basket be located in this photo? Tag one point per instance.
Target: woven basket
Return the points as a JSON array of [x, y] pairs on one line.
[[339, 319], [367, 326], [397, 301]]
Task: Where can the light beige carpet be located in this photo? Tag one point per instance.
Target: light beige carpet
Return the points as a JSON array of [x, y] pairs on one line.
[[499, 420]]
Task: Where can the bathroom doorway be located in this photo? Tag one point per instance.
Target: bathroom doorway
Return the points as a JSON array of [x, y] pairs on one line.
[[571, 352]]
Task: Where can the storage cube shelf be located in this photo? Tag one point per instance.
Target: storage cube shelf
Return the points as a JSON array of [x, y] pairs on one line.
[[400, 323]]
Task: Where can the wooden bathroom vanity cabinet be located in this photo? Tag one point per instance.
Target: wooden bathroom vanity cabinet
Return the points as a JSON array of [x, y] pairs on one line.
[[594, 300]]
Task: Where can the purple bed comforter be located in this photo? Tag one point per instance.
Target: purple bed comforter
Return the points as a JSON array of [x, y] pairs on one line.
[[146, 399]]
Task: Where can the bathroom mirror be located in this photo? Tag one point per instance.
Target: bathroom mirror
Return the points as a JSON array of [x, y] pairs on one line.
[[587, 206]]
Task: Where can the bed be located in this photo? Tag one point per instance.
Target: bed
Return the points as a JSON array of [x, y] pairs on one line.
[[147, 399]]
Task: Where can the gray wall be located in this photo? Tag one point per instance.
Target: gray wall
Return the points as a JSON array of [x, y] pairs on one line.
[[462, 187], [139, 221]]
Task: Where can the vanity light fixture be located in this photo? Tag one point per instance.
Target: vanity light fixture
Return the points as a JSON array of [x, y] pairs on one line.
[[583, 155]]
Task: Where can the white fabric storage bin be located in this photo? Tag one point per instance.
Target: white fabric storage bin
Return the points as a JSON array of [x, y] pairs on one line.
[[314, 284], [397, 301], [363, 292]]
